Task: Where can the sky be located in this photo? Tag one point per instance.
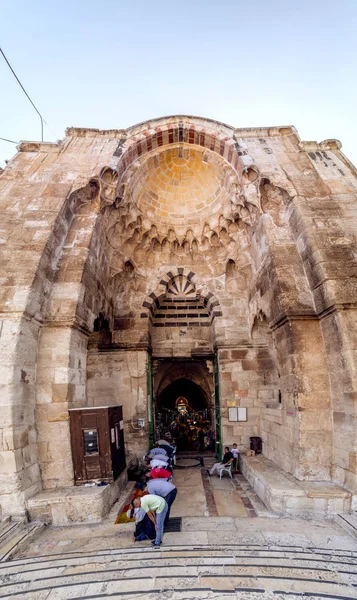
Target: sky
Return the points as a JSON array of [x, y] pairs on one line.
[[114, 63]]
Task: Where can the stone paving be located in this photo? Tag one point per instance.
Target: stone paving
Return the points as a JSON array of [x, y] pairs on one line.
[[213, 557], [212, 510], [201, 495]]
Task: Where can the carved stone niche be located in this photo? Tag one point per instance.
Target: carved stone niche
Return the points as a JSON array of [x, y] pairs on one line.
[[273, 201], [108, 182], [101, 337], [86, 194], [236, 281]]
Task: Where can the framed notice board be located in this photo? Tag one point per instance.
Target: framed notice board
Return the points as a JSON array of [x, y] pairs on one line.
[[237, 413]]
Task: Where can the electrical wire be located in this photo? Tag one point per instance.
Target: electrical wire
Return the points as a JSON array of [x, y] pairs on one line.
[[26, 94], [6, 140]]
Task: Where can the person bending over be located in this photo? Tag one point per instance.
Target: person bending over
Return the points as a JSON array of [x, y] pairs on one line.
[[157, 452], [159, 473], [159, 461], [227, 460], [144, 527], [165, 489], [156, 509], [164, 445]]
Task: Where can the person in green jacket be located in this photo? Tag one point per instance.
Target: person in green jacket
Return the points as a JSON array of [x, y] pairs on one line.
[[156, 509]]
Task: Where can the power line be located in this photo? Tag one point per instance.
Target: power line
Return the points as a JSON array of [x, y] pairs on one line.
[[23, 89], [6, 140]]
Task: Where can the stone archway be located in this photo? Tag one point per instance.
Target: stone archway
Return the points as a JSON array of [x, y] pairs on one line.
[[189, 381], [120, 228]]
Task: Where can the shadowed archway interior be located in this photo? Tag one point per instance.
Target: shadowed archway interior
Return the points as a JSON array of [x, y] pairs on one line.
[[194, 394]]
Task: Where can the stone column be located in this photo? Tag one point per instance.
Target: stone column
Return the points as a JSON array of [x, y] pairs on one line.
[[326, 244], [19, 470], [284, 294], [340, 334], [306, 402], [61, 381]]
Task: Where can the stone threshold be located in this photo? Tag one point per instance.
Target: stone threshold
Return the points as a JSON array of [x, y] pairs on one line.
[[285, 495], [76, 504]]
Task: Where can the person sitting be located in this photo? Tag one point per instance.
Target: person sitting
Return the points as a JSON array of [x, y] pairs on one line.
[[165, 489], [227, 460], [156, 509], [235, 453]]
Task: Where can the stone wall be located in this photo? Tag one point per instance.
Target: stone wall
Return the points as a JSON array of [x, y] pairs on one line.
[[248, 378], [121, 378], [37, 209], [104, 226]]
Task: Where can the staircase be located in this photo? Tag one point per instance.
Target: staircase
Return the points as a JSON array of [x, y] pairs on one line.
[[15, 535], [348, 522], [226, 571]]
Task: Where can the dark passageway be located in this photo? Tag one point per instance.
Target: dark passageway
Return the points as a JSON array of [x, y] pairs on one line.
[[183, 387], [183, 413]]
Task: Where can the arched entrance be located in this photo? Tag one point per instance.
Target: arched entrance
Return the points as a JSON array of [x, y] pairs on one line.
[[193, 231], [184, 404]]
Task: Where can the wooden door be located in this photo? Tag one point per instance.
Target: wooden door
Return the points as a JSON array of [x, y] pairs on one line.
[[116, 426]]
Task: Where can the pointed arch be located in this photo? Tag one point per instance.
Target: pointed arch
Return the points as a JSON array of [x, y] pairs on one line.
[[181, 281], [151, 135]]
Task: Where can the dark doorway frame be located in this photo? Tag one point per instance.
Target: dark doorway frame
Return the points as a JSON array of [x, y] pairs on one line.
[[214, 404]]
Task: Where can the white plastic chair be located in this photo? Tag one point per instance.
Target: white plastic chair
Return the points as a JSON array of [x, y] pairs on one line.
[[228, 469]]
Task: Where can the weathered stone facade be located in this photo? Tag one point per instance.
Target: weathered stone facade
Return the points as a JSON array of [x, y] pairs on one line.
[[104, 233]]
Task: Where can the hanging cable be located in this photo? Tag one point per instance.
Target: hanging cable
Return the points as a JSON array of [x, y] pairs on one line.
[[23, 89], [6, 140]]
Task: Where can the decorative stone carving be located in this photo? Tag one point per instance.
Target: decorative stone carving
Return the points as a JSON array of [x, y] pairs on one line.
[[108, 181], [86, 194], [274, 200]]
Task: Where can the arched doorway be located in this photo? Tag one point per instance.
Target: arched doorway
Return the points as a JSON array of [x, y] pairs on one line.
[[184, 407]]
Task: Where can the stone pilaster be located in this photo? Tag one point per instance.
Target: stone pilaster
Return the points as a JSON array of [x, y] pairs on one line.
[[305, 392], [61, 384]]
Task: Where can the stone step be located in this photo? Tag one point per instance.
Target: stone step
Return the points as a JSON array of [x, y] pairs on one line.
[[65, 565], [3, 521], [103, 570], [284, 495], [9, 527], [15, 537], [147, 573], [133, 555], [10, 530], [348, 522], [106, 586]]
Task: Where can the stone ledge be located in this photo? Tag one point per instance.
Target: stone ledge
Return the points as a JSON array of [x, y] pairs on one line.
[[77, 504], [28, 146], [286, 496]]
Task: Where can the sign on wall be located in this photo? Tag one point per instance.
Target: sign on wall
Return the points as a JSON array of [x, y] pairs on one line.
[[237, 413]]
